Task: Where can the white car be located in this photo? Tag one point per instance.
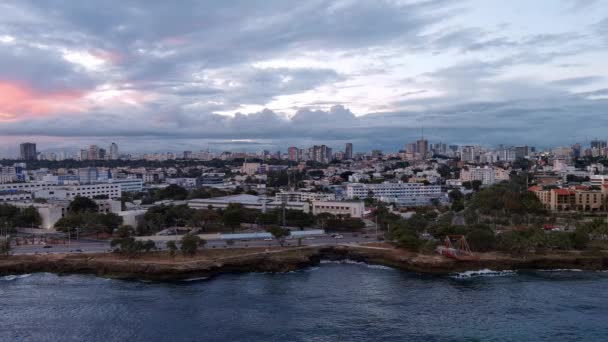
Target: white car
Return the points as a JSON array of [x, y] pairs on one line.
[[268, 239], [339, 237]]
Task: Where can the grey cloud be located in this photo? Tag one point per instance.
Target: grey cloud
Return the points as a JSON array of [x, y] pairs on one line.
[[578, 81], [40, 69]]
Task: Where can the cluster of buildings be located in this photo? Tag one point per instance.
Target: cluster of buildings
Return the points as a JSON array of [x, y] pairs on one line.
[[95, 152], [28, 152], [421, 174]]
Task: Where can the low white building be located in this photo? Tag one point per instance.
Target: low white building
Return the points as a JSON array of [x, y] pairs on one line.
[[128, 184], [68, 192], [247, 201], [54, 210], [395, 192], [598, 180], [303, 196], [353, 209], [14, 195]]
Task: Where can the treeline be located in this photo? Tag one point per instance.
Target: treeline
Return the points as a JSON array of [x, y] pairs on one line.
[[83, 214], [230, 219], [503, 217], [13, 217]]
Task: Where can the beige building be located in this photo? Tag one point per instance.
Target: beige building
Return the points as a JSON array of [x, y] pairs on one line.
[[346, 208], [579, 198]]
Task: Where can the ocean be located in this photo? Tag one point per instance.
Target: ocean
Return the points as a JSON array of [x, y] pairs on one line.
[[332, 302]]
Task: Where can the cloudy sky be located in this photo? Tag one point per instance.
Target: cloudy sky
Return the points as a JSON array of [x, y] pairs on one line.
[[248, 74]]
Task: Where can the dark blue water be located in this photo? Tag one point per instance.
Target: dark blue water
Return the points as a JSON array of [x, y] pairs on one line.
[[333, 302]]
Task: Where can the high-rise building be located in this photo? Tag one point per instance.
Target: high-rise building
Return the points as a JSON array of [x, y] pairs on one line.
[[469, 154], [101, 154], [422, 147], [320, 153], [113, 151], [410, 148], [598, 144], [348, 151], [28, 151], [521, 152], [93, 152], [84, 154], [576, 150], [293, 153]]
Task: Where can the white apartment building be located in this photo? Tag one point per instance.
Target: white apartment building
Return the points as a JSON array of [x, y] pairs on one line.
[[14, 196], [353, 209], [128, 184], [250, 168], [84, 190], [598, 180], [303, 196], [184, 182], [416, 192], [8, 174], [487, 175], [32, 186], [247, 201]]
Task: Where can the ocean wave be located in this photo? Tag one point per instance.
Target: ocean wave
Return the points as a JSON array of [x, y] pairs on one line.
[[353, 262], [482, 273], [561, 270], [195, 279], [14, 277]]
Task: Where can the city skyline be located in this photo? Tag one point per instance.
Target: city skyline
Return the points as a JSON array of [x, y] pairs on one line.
[[280, 73]]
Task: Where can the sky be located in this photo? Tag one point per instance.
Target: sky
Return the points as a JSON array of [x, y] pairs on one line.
[[267, 74]]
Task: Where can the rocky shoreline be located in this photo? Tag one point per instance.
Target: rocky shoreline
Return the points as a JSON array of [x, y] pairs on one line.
[[164, 268]]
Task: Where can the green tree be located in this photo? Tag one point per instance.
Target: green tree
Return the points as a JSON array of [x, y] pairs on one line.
[[125, 231], [233, 216], [172, 247], [279, 233], [80, 204], [481, 239], [130, 246], [28, 217], [149, 245], [5, 246], [190, 244]]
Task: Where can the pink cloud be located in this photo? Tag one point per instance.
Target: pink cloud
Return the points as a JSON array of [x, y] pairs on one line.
[[108, 56], [18, 101]]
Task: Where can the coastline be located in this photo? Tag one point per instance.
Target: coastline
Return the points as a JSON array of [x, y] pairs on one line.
[[209, 263]]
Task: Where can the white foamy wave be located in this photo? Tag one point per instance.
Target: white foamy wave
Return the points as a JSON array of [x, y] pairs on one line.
[[311, 269], [482, 273], [14, 277], [380, 267], [195, 279], [353, 262]]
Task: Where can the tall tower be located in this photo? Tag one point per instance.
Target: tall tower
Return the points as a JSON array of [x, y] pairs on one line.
[[348, 151], [93, 152], [113, 151], [28, 151]]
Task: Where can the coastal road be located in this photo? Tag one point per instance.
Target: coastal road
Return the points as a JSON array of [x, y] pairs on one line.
[[104, 247]]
